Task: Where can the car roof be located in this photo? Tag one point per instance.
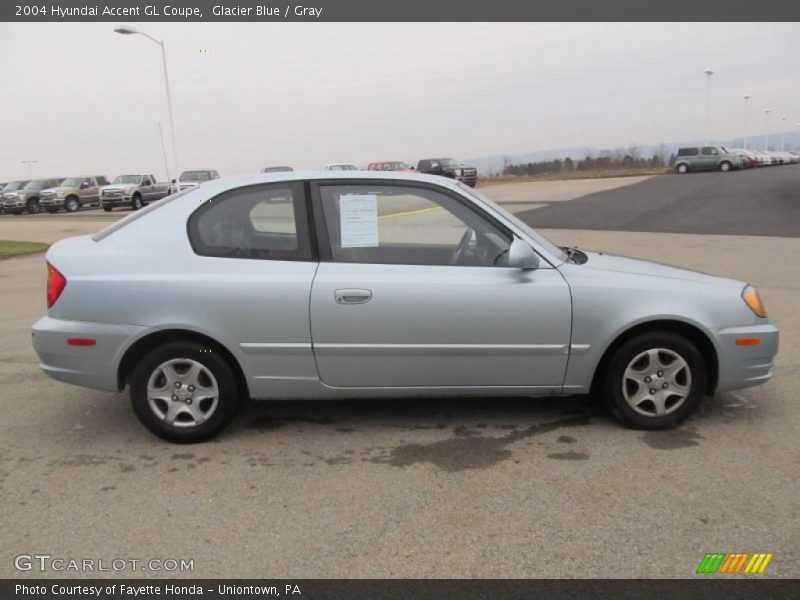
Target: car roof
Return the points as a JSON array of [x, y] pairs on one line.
[[230, 182]]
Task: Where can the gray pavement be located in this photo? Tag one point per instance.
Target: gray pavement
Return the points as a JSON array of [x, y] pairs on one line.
[[425, 488], [763, 202]]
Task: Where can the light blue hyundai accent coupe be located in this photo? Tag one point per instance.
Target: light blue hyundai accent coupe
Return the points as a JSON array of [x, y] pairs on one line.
[[344, 284]]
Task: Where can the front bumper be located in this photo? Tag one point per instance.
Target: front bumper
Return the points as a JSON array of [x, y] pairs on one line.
[[88, 366], [51, 202], [116, 200], [746, 366]]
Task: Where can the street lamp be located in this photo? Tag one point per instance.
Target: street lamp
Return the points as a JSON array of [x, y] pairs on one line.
[[708, 73], [766, 130], [128, 30], [30, 164], [783, 120], [746, 128]]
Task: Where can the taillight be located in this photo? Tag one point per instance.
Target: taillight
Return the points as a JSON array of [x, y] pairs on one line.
[[56, 283]]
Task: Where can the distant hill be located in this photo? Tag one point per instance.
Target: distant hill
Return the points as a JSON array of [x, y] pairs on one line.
[[492, 165]]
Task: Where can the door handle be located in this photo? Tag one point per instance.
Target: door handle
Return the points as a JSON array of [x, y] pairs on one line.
[[352, 296]]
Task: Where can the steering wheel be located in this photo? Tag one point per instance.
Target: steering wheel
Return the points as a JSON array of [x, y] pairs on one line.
[[462, 247]]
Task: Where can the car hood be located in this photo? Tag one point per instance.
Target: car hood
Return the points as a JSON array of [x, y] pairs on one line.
[[600, 261], [126, 187], [62, 190]]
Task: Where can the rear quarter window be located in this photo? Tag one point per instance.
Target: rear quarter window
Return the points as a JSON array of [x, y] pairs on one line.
[[687, 152]]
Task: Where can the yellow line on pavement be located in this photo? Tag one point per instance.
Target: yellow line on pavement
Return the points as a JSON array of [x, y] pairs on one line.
[[410, 212]]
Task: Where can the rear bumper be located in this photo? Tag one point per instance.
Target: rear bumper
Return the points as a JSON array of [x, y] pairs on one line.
[[88, 366], [746, 366]]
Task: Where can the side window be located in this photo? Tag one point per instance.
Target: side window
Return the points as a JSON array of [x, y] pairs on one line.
[[392, 224], [710, 151], [146, 180], [688, 152], [263, 221]]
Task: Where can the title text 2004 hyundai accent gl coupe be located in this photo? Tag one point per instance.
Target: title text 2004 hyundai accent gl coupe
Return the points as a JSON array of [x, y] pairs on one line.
[[331, 285]]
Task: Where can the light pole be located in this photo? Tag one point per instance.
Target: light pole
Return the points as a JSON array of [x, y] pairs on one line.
[[30, 164], [128, 30], [766, 129], [708, 73], [746, 128], [783, 120]]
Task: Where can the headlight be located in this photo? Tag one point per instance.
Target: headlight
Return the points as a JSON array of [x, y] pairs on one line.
[[753, 300], [21, 195]]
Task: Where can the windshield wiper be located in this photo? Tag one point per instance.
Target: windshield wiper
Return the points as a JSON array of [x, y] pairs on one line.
[[575, 255]]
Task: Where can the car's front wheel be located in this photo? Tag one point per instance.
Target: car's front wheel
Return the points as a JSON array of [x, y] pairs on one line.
[[33, 207], [136, 202], [655, 380], [725, 166], [184, 392], [71, 204], [683, 168]]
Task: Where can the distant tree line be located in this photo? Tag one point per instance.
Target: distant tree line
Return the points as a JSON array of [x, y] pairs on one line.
[[631, 157]]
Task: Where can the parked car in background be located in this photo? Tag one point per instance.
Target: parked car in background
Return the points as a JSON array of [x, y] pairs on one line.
[[73, 193], [390, 165], [10, 192], [268, 295], [134, 191], [447, 167], [27, 199], [278, 169], [749, 159], [340, 167], [707, 158], [191, 179]]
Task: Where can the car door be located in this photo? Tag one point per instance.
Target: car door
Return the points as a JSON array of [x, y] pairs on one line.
[[710, 158], [412, 292], [89, 193], [147, 188]]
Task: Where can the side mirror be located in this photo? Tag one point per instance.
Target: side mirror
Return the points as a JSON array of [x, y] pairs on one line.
[[84, 185], [174, 181], [522, 256]]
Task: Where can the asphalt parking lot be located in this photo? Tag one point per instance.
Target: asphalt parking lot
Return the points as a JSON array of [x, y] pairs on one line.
[[427, 488]]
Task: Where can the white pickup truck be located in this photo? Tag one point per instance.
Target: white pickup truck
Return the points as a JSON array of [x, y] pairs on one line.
[[132, 190]]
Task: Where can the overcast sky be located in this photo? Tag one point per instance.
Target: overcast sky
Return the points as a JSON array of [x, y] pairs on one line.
[[82, 99]]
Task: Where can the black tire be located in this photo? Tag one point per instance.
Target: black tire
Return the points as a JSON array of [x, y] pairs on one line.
[[725, 166], [682, 168], [71, 204], [33, 207], [107, 208], [227, 399], [614, 380], [136, 202]]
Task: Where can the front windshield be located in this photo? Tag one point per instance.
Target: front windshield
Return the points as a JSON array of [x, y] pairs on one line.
[[538, 237], [35, 185], [14, 186], [128, 179], [72, 182], [195, 176]]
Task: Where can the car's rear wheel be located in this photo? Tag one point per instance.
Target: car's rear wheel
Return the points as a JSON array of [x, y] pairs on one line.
[[683, 168], [725, 166], [71, 204], [33, 207], [136, 202], [184, 392], [655, 380]]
